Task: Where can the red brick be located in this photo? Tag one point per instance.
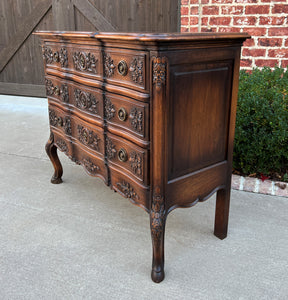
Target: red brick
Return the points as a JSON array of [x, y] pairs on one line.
[[245, 21], [194, 2], [284, 63], [278, 31], [255, 31], [246, 1], [265, 187], [204, 21], [286, 43], [257, 9], [269, 42], [232, 10], [221, 1], [184, 11], [184, 2], [210, 10], [194, 10], [220, 21], [229, 29], [249, 184], [280, 9], [208, 29], [246, 63], [193, 29], [204, 1], [253, 52], [184, 29], [184, 20], [271, 20], [249, 43], [194, 20], [266, 62], [273, 1], [278, 53]]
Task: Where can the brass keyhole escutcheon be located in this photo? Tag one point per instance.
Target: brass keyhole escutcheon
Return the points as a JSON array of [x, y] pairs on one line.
[[122, 68], [122, 114], [122, 155]]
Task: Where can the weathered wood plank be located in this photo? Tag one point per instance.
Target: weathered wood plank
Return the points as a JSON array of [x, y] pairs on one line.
[[63, 15], [32, 90], [24, 30], [94, 15]]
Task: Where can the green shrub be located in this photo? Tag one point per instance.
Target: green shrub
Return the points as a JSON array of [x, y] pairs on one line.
[[261, 134]]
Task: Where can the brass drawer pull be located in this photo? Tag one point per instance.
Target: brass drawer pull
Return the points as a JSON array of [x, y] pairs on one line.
[[122, 155], [122, 68], [122, 114]]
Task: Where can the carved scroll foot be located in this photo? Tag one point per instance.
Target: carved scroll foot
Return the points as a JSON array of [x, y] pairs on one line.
[[51, 151], [157, 225], [222, 213]]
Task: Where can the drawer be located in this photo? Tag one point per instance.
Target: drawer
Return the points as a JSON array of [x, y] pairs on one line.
[[57, 89], [125, 67], [128, 157], [135, 192], [128, 115], [77, 59]]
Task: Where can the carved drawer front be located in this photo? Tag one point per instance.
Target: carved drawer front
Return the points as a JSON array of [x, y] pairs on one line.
[[125, 68], [57, 89], [93, 165], [128, 157], [74, 58], [60, 120], [126, 114], [130, 189], [89, 136], [63, 143]]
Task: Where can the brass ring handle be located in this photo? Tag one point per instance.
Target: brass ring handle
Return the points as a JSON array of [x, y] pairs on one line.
[[122, 68], [122, 114], [122, 155]]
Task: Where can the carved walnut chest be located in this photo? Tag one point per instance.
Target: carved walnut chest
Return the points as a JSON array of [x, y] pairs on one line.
[[152, 115]]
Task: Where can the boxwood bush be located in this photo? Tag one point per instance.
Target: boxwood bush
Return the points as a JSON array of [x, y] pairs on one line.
[[261, 134]]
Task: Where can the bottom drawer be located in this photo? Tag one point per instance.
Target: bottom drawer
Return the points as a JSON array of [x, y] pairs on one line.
[[124, 185]]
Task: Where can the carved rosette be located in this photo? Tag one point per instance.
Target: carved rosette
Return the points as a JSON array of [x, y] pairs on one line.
[[157, 215], [159, 71], [85, 62], [61, 144], [108, 65], [136, 69], [53, 119], [86, 101], [127, 190], [110, 148], [136, 119], [90, 166], [47, 55], [136, 162], [88, 137], [49, 87], [63, 58], [109, 108]]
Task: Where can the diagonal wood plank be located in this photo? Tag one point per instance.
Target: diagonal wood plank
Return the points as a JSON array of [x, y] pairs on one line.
[[27, 25], [94, 15]]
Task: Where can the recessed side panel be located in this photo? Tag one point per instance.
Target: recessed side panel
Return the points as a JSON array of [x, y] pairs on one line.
[[199, 116]]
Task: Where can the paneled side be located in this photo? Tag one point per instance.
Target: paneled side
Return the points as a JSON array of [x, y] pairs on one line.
[[200, 104]]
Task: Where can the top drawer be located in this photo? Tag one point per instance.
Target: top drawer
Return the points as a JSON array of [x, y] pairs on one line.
[[112, 65]]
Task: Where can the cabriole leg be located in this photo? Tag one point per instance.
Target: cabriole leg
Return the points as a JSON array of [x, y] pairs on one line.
[[51, 151], [222, 213]]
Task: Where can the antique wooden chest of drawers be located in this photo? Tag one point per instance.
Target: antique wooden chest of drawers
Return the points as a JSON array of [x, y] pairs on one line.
[[153, 115]]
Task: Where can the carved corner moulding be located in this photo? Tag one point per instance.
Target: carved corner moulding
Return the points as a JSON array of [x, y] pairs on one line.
[[86, 101], [159, 66], [85, 62]]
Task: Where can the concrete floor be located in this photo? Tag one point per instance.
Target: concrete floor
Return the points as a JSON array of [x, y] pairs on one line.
[[80, 240]]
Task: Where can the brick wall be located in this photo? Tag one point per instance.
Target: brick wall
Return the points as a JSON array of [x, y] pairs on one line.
[[265, 20]]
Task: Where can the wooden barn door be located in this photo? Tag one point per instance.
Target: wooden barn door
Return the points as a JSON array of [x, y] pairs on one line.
[[21, 65]]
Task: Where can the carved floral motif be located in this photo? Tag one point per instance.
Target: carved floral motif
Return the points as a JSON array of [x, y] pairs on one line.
[[53, 119], [67, 125], [108, 65], [54, 90], [136, 119], [86, 101], [63, 58], [110, 148], [88, 137], [90, 166], [157, 215], [159, 71], [136, 160], [49, 87], [109, 108], [61, 144], [127, 190], [85, 62], [64, 94], [136, 69], [49, 56]]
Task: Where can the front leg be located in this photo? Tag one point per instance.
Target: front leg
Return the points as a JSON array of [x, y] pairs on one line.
[[157, 225], [51, 151]]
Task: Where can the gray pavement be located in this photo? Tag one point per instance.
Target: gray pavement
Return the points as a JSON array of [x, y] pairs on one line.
[[80, 240]]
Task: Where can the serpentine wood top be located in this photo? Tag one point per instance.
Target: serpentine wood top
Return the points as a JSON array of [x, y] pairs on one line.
[[146, 37]]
